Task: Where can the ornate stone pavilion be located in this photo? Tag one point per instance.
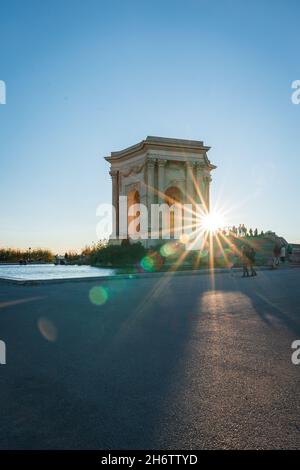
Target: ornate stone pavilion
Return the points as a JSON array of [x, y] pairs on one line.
[[158, 170]]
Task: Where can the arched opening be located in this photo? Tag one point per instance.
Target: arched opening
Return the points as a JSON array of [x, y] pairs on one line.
[[173, 197], [133, 197]]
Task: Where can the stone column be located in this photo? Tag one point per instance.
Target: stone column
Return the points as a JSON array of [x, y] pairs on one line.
[[208, 181], [115, 202], [150, 181], [161, 179], [190, 185], [150, 189], [189, 217], [200, 186], [161, 186]]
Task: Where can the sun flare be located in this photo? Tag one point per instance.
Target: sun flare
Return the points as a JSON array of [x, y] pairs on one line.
[[212, 221]]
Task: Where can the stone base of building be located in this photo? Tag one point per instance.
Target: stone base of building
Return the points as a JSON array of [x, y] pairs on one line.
[[114, 241], [147, 243], [151, 242]]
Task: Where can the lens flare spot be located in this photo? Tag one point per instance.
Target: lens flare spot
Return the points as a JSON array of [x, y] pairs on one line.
[[185, 238], [168, 249], [98, 295], [47, 329], [151, 262], [147, 263]]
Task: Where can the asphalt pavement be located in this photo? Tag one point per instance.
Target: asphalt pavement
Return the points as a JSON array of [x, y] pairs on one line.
[[189, 362]]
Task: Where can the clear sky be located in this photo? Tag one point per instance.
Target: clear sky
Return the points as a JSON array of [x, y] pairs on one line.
[[85, 78]]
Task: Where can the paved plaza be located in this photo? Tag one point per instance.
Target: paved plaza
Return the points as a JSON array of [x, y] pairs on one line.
[[184, 362]]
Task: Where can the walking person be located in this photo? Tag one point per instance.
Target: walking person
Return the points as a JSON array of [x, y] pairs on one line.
[[251, 256], [282, 253], [289, 251], [276, 254], [245, 261]]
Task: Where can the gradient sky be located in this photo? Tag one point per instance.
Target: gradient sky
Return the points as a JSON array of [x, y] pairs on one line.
[[85, 78]]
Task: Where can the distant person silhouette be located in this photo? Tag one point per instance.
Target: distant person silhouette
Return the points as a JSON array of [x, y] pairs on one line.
[[251, 255], [282, 254], [276, 253], [245, 261]]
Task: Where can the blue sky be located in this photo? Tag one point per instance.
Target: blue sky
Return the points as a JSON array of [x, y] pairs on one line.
[[85, 78]]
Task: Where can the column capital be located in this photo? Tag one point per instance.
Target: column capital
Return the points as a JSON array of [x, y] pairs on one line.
[[200, 165], [190, 164], [113, 173], [162, 162], [151, 162]]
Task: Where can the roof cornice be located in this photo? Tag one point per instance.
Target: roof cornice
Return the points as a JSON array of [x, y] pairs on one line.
[[163, 143]]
